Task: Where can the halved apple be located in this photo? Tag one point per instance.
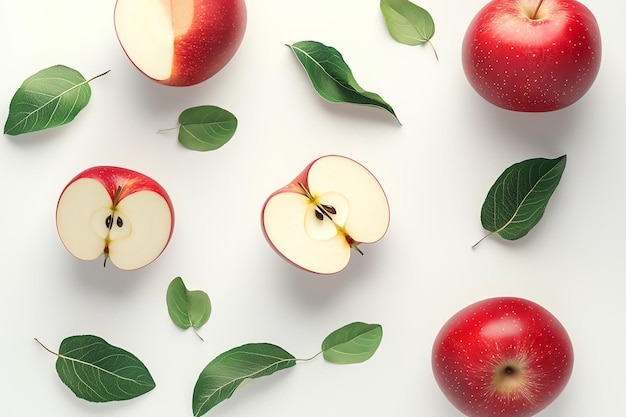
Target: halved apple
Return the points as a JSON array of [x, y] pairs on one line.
[[180, 42], [318, 219], [116, 212]]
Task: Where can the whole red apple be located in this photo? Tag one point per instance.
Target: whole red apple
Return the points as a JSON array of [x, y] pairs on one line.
[[532, 55], [502, 356], [182, 42]]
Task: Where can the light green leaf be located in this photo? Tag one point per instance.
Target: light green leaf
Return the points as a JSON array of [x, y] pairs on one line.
[[99, 372], [518, 199], [50, 98], [353, 343], [407, 22], [206, 128], [187, 308], [332, 78], [224, 374]]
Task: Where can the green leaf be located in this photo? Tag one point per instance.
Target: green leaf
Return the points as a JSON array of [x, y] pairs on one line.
[[50, 98], [187, 308], [518, 199], [99, 372], [408, 23], [206, 128], [224, 374], [353, 343], [332, 78]]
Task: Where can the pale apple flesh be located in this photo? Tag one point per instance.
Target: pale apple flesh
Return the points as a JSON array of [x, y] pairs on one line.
[[182, 42], [317, 220], [118, 213]]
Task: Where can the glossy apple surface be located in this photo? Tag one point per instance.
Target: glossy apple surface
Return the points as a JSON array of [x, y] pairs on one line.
[[502, 356], [180, 42], [116, 212], [321, 217], [532, 55]]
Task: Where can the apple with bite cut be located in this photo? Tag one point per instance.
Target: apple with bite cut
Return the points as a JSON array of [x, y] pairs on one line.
[[318, 219], [502, 356], [532, 55], [116, 212], [180, 42]]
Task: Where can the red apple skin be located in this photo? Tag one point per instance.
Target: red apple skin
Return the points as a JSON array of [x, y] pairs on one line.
[[217, 31], [527, 65], [494, 332], [112, 177]]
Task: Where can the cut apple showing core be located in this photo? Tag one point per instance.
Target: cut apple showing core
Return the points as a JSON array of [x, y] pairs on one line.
[[182, 42], [119, 213], [317, 220]]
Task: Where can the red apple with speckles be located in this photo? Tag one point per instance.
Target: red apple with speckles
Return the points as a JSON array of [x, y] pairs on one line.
[[505, 356], [532, 55]]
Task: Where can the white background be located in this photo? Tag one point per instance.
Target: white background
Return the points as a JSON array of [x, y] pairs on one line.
[[436, 170]]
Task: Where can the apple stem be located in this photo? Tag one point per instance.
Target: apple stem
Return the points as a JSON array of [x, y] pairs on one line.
[[116, 197], [356, 247], [306, 192], [534, 16]]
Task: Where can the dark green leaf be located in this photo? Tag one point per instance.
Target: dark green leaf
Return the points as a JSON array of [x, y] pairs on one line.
[[187, 308], [50, 98], [353, 343], [407, 22], [223, 375], [99, 372], [518, 199], [206, 128], [331, 76]]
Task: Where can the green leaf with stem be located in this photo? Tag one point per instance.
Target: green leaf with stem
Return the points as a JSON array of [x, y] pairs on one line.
[[187, 308], [224, 374], [205, 128], [353, 343], [518, 199], [218, 381], [52, 97], [332, 78], [99, 372], [408, 23]]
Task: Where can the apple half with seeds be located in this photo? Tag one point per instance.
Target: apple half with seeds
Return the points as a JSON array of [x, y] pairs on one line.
[[325, 213], [180, 42], [116, 212]]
